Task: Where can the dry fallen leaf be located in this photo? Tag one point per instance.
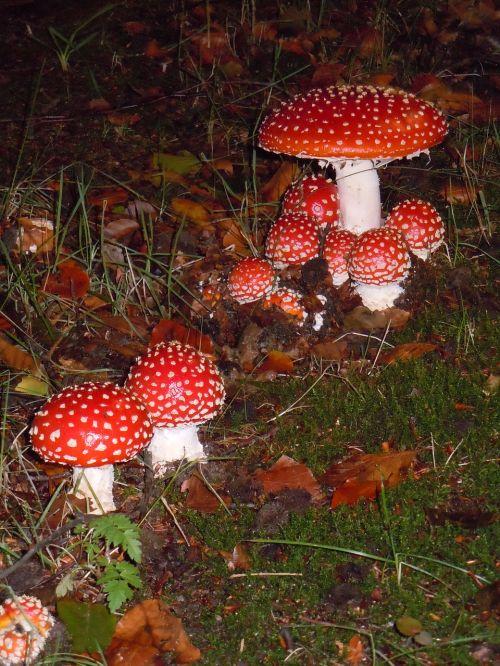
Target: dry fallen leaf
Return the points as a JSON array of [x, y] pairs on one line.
[[239, 558], [109, 197], [147, 631], [16, 358], [276, 362], [192, 211], [36, 234], [278, 183], [169, 329], [287, 473], [355, 650], [70, 280], [407, 351], [363, 319], [361, 475], [199, 496]]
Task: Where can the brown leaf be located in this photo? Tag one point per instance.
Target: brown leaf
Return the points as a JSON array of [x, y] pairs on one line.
[[36, 234], [233, 238], [458, 193], [147, 631], [278, 183], [331, 350], [107, 198], [276, 361], [238, 559], [361, 475], [99, 104], [199, 496], [355, 650], [69, 281], [16, 358], [287, 473], [123, 119], [154, 51], [407, 351], [120, 228], [192, 211], [169, 329], [363, 319]]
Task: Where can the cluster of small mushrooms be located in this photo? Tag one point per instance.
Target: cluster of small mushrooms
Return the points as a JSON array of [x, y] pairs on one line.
[[355, 130], [24, 627], [91, 426]]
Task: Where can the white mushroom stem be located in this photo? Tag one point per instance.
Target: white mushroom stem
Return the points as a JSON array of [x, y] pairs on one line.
[[171, 444], [378, 296], [359, 195], [96, 485]]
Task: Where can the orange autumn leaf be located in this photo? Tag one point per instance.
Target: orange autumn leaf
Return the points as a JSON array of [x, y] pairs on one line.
[[36, 234], [279, 181], [168, 329], [276, 361], [69, 281], [5, 324], [192, 211], [361, 476], [355, 650], [123, 119], [407, 352], [458, 193], [16, 358], [147, 631], [200, 498], [239, 558], [233, 238], [134, 27], [107, 198], [287, 473], [154, 51]]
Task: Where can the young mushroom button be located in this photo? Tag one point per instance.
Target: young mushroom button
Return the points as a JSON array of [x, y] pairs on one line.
[[91, 426], [355, 129], [182, 389], [378, 263], [420, 224], [292, 240], [250, 279], [24, 627], [338, 244], [317, 197]]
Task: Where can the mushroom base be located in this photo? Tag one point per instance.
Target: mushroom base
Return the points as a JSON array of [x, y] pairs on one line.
[[96, 485], [171, 444], [378, 296]]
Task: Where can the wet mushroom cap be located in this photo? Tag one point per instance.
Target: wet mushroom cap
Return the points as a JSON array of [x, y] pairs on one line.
[[353, 122], [316, 196], [179, 385], [24, 627], [292, 240], [250, 279], [379, 256], [420, 224], [91, 425], [338, 244]]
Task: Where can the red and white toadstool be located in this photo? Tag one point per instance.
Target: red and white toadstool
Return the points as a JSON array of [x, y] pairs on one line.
[[420, 224], [378, 263], [287, 300], [181, 389], [91, 426], [292, 240], [338, 244], [250, 279], [355, 129], [317, 197], [24, 627]]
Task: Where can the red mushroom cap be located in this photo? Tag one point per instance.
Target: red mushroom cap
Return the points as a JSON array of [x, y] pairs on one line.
[[287, 300], [420, 224], [353, 122], [91, 425], [178, 385], [292, 240], [379, 256], [316, 196], [250, 279], [24, 627], [338, 244]]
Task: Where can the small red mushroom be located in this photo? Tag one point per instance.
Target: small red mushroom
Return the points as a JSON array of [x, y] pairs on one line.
[[91, 426], [420, 224], [338, 244], [355, 129], [287, 300], [250, 279], [181, 389], [378, 262], [292, 240], [24, 627], [317, 197]]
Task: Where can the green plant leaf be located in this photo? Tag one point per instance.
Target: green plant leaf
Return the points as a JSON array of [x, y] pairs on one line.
[[408, 626], [119, 531], [90, 626], [183, 162], [118, 592]]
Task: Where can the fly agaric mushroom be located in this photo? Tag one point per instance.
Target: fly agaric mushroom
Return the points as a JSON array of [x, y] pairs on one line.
[[287, 300], [292, 240], [24, 627], [355, 129], [378, 262], [181, 389], [420, 224], [250, 279], [317, 197], [338, 244], [92, 426]]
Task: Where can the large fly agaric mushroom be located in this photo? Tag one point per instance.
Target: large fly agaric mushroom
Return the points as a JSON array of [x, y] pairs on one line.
[[91, 426], [420, 224], [292, 240], [317, 197], [355, 129], [181, 389], [250, 279], [24, 627], [378, 263]]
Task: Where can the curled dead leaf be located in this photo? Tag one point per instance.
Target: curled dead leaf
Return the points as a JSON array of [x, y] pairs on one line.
[[277, 362], [36, 234], [407, 352], [287, 473], [192, 211], [363, 319], [16, 358], [275, 187], [199, 496], [69, 281], [169, 329]]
